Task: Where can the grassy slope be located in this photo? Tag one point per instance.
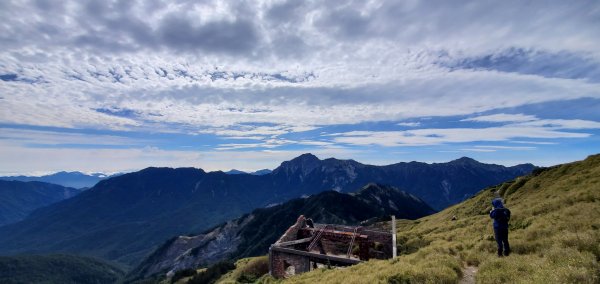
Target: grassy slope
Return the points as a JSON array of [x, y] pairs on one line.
[[242, 266], [554, 234]]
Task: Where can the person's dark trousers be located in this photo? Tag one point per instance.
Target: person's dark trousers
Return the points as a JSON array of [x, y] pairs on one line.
[[501, 235]]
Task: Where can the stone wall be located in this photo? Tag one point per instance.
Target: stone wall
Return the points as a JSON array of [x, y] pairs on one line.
[[285, 262], [284, 265], [292, 232]]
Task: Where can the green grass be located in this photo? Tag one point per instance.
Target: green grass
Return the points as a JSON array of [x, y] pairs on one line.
[[554, 234], [247, 270]]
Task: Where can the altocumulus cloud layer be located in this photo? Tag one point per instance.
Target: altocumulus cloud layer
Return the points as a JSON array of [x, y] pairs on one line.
[[295, 75]]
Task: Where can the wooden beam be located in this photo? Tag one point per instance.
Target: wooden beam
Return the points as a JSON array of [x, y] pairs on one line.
[[300, 241], [331, 258], [394, 249], [329, 232]]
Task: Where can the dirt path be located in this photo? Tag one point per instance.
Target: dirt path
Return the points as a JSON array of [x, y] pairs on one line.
[[468, 275]]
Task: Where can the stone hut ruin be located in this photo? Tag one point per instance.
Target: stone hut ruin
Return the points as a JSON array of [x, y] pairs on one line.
[[306, 246]]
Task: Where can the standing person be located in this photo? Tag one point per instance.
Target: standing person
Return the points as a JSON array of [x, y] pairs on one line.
[[501, 217]]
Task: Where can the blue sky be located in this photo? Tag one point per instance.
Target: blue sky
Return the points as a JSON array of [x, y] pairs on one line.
[[108, 86]]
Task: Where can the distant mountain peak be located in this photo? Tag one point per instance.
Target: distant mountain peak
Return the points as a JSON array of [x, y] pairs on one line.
[[168, 170], [465, 161], [255, 173], [304, 164], [530, 165], [373, 186], [261, 172], [377, 189], [235, 172], [306, 157], [73, 179]]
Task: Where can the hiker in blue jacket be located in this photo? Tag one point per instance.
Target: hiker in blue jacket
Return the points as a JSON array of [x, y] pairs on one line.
[[501, 217]]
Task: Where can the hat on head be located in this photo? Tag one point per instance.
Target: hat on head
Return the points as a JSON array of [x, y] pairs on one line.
[[497, 203]]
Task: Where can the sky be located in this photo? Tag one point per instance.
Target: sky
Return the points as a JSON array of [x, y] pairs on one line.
[[112, 86]]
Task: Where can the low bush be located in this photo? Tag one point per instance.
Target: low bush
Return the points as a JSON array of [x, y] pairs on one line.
[[212, 274], [408, 246], [182, 274], [254, 270]]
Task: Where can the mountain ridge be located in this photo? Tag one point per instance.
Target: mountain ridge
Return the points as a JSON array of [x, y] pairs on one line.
[[553, 233], [124, 218], [345, 175], [253, 233], [57, 268], [18, 199], [257, 173], [68, 179]]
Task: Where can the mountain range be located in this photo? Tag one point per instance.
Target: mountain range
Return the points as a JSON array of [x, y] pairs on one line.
[[68, 179], [57, 268], [256, 173], [18, 199], [554, 234], [252, 234], [438, 184], [125, 218]]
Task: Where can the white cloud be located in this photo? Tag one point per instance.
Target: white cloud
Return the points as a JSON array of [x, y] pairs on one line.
[[478, 150], [17, 159], [43, 137], [409, 124], [421, 137], [532, 120], [376, 72], [502, 117], [256, 132], [273, 143], [291, 109], [535, 142], [497, 147], [563, 123], [234, 146]]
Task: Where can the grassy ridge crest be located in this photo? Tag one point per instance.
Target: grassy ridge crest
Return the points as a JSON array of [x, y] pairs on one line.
[[554, 234]]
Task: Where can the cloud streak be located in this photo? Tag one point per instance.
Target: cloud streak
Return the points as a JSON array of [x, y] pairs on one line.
[[538, 129], [502, 117]]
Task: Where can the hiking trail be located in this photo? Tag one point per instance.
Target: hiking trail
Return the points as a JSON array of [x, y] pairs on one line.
[[469, 273]]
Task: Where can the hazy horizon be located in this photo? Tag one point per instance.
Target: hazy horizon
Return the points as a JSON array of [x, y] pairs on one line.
[[278, 163]]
